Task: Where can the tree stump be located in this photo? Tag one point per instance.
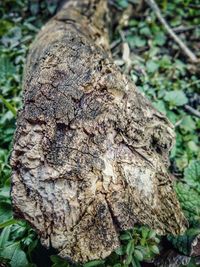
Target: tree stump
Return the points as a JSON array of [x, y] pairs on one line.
[[90, 153]]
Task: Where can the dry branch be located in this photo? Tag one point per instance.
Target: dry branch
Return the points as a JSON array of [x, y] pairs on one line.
[[173, 35], [90, 153], [192, 111]]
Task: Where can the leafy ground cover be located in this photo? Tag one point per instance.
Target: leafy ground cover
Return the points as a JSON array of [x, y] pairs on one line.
[[161, 71]]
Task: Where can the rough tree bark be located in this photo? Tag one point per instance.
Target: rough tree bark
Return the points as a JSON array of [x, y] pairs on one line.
[[90, 153]]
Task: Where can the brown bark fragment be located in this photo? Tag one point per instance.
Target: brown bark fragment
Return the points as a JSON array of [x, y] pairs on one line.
[[90, 154]]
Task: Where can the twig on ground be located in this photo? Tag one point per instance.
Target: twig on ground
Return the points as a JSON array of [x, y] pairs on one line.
[[115, 43], [194, 6], [178, 122], [192, 111], [184, 29], [184, 48]]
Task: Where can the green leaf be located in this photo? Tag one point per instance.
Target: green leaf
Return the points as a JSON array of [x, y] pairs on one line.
[[145, 232], [185, 243], [189, 199], [51, 7], [142, 248], [188, 124], [160, 106], [152, 66], [130, 247], [5, 193], [139, 42], [156, 239], [135, 263], [154, 249], [145, 31], [176, 98], [4, 236], [58, 261], [126, 236], [189, 192], [152, 234], [94, 263], [8, 105], [119, 251], [135, 41], [6, 68], [128, 259], [122, 3], [172, 117], [15, 254], [7, 223], [138, 255], [160, 38], [193, 146], [5, 25], [192, 175], [5, 212]]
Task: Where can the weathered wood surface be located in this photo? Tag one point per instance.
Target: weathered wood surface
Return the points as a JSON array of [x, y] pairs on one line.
[[90, 153]]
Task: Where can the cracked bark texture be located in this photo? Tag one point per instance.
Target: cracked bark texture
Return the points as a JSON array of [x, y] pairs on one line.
[[90, 153]]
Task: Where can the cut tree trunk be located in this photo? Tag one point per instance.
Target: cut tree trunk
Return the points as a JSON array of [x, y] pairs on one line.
[[90, 153]]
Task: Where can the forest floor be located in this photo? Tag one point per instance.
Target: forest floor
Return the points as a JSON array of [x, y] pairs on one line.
[[161, 70]]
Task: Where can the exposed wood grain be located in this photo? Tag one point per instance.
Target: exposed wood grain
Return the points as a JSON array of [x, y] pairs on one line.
[[90, 153]]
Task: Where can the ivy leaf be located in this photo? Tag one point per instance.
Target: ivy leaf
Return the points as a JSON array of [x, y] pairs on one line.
[[146, 31], [176, 98], [192, 145], [171, 258], [189, 192], [192, 175], [190, 200], [160, 106], [160, 38], [122, 3], [188, 124], [139, 42], [152, 66], [135, 41], [172, 117], [188, 243]]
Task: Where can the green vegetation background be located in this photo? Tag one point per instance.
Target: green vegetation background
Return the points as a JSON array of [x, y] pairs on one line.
[[161, 72]]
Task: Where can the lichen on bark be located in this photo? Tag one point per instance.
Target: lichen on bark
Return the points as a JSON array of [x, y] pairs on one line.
[[90, 154]]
